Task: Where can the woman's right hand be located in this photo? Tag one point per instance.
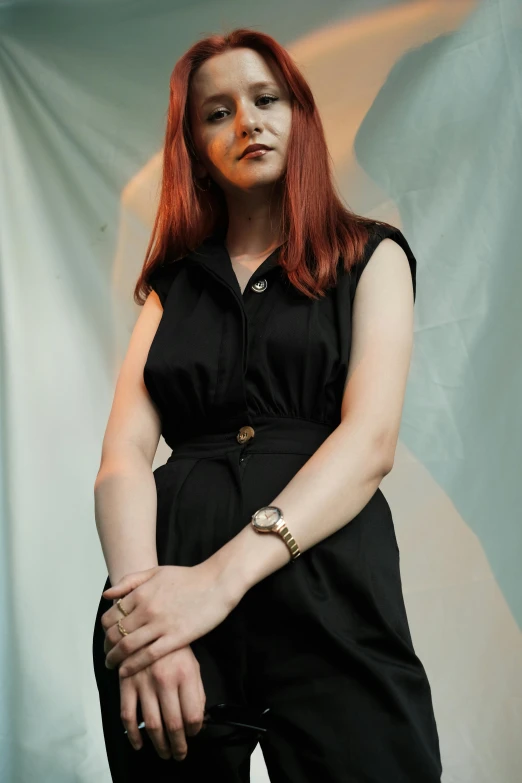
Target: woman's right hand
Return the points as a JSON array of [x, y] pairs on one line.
[[170, 688]]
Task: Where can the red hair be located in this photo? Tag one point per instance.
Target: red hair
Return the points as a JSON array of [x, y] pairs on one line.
[[318, 228]]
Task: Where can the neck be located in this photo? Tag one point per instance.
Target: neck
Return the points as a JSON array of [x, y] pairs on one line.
[[253, 224]]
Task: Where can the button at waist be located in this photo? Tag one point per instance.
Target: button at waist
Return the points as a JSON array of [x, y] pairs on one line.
[[245, 434]]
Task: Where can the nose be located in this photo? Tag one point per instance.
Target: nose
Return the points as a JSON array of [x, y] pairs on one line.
[[248, 119]]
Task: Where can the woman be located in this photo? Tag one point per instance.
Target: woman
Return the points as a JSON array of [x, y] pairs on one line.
[[273, 358]]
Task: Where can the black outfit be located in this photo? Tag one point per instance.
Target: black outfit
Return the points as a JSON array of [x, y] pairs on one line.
[[323, 641]]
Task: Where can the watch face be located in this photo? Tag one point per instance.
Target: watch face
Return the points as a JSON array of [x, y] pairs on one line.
[[267, 516]]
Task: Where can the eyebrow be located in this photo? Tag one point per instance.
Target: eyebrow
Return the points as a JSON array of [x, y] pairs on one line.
[[255, 86]]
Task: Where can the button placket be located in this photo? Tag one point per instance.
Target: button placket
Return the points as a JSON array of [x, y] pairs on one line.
[[244, 435], [243, 460], [252, 303], [247, 306]]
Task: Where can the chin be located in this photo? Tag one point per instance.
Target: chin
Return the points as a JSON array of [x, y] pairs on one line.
[[259, 182]]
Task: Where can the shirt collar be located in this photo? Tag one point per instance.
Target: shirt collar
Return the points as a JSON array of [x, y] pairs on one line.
[[212, 254]]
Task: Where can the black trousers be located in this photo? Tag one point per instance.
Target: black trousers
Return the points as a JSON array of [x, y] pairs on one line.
[[340, 711]]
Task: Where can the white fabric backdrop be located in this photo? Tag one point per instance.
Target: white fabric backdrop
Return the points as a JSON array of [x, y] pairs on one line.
[[421, 103]]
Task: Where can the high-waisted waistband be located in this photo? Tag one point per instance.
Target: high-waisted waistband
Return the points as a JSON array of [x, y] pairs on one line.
[[271, 434]]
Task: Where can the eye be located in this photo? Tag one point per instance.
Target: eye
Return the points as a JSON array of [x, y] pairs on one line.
[[212, 117], [270, 97]]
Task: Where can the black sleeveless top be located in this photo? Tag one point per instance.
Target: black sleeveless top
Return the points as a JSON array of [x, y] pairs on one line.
[[220, 357]]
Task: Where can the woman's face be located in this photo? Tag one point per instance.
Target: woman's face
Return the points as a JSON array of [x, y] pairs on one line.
[[229, 110]]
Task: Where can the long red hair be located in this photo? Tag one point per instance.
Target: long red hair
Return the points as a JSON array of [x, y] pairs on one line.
[[318, 228]]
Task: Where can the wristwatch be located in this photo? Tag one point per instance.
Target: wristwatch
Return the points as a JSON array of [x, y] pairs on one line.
[[269, 519]]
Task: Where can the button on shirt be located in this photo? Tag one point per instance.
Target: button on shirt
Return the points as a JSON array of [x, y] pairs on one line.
[[259, 285]]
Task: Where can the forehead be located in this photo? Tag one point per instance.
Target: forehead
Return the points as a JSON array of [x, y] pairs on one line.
[[232, 70]]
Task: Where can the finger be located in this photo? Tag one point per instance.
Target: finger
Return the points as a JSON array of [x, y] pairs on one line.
[[171, 711], [147, 654], [110, 618], [203, 695], [129, 624], [115, 641], [151, 712], [190, 702], [128, 705], [132, 643], [107, 645], [128, 583]]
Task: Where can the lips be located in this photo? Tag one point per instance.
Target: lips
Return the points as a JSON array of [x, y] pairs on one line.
[[254, 148]]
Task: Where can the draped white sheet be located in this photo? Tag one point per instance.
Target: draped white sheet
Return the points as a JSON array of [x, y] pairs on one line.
[[422, 108]]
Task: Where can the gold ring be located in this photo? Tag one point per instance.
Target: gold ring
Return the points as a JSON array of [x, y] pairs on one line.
[[122, 629], [120, 607]]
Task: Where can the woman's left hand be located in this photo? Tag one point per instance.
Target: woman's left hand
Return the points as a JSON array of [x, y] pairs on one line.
[[169, 607]]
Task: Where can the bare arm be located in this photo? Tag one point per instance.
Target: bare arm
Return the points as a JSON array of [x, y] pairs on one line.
[[125, 491], [340, 478], [170, 690]]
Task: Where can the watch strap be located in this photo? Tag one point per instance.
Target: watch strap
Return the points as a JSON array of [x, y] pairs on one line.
[[289, 541]]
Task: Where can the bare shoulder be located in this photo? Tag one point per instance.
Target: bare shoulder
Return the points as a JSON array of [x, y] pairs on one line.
[[389, 265]]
